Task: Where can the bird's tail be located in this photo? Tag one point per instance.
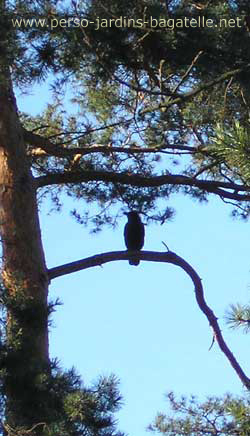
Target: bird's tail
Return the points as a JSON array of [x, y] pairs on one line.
[[134, 262]]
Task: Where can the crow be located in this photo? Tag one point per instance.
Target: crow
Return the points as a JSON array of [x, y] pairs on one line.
[[134, 234]]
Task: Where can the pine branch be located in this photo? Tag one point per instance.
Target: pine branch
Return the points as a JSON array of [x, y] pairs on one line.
[[196, 91], [44, 147], [217, 188]]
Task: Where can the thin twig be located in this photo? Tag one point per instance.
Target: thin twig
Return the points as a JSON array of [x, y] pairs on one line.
[[186, 74]]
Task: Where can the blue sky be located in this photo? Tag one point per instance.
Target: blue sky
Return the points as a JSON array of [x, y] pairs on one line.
[[143, 323]]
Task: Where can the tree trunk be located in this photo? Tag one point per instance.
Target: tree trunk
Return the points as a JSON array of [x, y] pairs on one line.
[[24, 356]]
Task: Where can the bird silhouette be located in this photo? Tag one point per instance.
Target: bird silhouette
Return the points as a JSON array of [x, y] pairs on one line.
[[134, 234]]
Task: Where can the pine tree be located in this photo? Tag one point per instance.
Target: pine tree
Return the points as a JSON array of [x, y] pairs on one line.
[[146, 96]]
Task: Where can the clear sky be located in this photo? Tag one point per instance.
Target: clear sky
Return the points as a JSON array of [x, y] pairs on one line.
[[142, 323]]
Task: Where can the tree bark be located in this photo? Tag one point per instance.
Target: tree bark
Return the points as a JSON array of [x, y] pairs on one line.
[[24, 272]]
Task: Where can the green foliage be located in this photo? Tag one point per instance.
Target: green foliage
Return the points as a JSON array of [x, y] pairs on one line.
[[238, 316], [226, 416], [231, 145], [136, 86], [57, 401], [65, 406]]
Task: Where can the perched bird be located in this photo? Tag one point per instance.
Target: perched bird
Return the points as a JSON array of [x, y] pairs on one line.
[[134, 234]]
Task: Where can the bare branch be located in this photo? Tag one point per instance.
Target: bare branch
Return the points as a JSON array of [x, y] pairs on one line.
[[207, 167], [218, 188], [168, 257], [45, 147], [191, 94]]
